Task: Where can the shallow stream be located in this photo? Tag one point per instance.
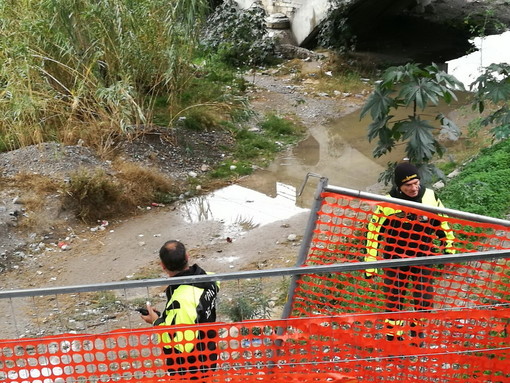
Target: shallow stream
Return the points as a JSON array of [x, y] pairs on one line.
[[338, 151]]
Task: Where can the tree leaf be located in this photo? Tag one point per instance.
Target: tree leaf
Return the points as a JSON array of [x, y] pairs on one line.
[[421, 144], [378, 104], [422, 92], [376, 126]]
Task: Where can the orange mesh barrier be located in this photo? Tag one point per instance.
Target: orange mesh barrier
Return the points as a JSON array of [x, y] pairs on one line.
[[436, 307], [348, 349], [342, 228]]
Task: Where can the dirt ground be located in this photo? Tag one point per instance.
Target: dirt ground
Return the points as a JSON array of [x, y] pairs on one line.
[[61, 251], [122, 249]]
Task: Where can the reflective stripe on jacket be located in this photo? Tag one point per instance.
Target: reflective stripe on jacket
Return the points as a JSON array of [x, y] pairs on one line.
[[405, 235], [188, 304]]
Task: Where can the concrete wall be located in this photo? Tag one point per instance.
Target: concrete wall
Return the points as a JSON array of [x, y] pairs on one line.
[[307, 17], [304, 15]]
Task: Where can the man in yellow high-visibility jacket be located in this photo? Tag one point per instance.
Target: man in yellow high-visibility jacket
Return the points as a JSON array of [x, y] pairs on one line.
[[192, 303], [395, 234]]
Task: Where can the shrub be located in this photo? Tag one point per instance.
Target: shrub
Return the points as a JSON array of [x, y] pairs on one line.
[[96, 195], [238, 37], [483, 185]]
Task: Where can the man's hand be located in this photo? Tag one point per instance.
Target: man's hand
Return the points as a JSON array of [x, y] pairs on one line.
[[152, 314], [370, 273]]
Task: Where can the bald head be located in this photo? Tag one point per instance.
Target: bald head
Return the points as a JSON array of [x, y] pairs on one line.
[[173, 256]]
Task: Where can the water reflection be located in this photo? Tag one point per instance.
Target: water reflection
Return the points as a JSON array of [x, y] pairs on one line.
[[339, 151], [240, 209], [490, 50]]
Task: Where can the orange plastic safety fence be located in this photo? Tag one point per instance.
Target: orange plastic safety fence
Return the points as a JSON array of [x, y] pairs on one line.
[[415, 303], [348, 349], [348, 230]]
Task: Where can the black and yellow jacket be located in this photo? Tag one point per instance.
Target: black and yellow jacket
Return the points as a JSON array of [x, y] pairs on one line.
[[188, 304], [392, 233]]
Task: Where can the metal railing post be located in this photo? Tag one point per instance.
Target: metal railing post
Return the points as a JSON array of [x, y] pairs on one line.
[[307, 239]]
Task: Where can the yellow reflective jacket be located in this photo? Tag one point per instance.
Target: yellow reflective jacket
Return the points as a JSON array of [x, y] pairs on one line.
[[188, 304], [393, 233]]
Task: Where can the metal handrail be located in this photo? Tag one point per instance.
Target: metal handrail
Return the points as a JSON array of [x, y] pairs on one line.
[[278, 272], [418, 205]]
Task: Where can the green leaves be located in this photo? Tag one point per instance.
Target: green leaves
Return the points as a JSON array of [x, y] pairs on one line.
[[378, 103], [239, 37], [411, 86], [493, 87], [421, 92], [421, 144]]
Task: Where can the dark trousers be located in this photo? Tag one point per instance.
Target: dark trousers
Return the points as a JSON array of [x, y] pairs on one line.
[[395, 287], [192, 365]]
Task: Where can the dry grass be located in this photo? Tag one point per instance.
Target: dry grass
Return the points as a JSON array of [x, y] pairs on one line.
[[32, 191], [33, 186], [97, 195], [142, 185]]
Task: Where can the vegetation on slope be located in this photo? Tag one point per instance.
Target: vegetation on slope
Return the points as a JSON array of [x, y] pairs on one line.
[[483, 185]]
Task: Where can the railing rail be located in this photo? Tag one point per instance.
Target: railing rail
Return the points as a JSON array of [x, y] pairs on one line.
[[277, 272]]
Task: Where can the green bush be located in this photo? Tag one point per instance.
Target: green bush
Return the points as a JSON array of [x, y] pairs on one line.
[[238, 37], [483, 186]]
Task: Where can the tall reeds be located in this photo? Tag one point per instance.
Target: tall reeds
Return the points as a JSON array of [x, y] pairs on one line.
[[91, 69]]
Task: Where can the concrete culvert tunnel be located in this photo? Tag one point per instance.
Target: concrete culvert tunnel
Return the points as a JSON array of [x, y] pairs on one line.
[[400, 30]]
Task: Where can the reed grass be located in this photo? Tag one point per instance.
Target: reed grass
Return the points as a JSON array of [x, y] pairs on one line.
[[92, 70]]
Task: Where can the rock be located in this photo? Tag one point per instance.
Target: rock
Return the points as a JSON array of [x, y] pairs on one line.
[[289, 51], [278, 21]]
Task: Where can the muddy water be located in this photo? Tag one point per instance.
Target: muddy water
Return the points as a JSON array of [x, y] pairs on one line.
[[338, 151]]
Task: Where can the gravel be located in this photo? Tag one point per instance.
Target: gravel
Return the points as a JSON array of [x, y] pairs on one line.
[[175, 154]]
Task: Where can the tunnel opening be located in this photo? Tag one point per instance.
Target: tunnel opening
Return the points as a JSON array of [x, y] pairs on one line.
[[408, 38]]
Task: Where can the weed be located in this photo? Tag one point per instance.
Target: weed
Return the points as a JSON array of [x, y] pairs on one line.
[[229, 169], [277, 126], [483, 184], [258, 148], [96, 195], [97, 69], [250, 302]]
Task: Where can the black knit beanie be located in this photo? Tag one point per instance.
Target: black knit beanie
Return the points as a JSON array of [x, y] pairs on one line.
[[405, 172]]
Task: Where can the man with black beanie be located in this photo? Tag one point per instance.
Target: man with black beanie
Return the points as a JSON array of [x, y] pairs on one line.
[[396, 234]]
